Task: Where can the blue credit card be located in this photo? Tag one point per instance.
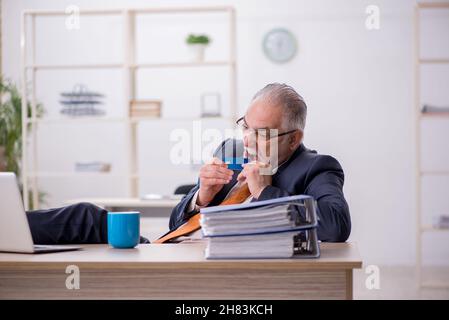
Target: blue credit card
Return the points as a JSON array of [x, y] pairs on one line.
[[235, 163]]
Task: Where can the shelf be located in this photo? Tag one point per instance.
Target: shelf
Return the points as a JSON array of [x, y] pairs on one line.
[[183, 9], [87, 119], [420, 116], [132, 10], [433, 5], [75, 174], [180, 119], [134, 66], [81, 119], [182, 64], [430, 228], [435, 285], [433, 61], [30, 67], [63, 13], [433, 172], [75, 66], [434, 114]]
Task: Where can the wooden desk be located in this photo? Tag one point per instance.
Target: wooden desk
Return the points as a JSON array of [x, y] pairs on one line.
[[177, 271]]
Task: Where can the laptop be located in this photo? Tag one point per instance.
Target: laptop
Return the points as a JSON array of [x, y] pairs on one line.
[[15, 234]]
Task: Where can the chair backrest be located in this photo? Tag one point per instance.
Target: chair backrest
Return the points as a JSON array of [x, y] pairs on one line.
[[184, 189]]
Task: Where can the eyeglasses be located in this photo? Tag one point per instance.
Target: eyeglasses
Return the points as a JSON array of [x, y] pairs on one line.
[[262, 133]]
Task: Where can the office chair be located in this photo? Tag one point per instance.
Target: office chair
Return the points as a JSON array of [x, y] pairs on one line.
[[184, 189]]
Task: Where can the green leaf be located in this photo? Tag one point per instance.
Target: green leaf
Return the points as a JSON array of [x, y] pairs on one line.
[[197, 39], [11, 123]]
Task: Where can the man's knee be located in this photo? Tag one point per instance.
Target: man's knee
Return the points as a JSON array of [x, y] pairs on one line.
[[88, 215], [86, 207]]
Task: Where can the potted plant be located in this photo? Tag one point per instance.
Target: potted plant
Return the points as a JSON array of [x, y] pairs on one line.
[[11, 127], [197, 44]]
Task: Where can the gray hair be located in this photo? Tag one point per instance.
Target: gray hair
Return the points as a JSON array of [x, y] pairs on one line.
[[281, 94]]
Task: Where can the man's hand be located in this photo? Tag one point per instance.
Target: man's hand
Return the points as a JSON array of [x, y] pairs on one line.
[[256, 181], [212, 178]]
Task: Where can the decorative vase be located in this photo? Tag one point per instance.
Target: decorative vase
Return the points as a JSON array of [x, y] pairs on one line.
[[197, 50]]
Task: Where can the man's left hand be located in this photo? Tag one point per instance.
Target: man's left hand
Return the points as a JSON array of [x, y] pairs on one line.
[[251, 174]]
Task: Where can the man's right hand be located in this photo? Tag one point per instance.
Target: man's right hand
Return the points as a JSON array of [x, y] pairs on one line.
[[213, 176]]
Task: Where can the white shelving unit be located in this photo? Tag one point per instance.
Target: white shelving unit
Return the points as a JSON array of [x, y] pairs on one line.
[[30, 173], [419, 116]]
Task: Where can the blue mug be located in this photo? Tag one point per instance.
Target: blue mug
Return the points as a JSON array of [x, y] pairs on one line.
[[123, 229]]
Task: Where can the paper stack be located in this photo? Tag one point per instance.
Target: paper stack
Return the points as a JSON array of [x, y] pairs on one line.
[[277, 228]]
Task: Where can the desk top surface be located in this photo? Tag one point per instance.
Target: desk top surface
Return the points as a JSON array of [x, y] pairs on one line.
[[333, 256]]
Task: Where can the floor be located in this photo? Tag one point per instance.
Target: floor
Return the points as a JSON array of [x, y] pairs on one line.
[[394, 282], [399, 282]]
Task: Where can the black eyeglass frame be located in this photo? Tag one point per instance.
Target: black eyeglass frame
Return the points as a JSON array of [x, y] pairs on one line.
[[241, 122]]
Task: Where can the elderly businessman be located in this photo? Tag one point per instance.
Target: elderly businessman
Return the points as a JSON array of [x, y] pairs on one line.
[[299, 171], [275, 108]]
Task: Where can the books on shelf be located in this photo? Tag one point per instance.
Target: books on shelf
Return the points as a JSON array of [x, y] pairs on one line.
[[276, 228], [92, 167], [145, 108]]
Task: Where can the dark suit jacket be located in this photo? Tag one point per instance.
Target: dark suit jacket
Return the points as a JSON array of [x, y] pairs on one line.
[[306, 172]]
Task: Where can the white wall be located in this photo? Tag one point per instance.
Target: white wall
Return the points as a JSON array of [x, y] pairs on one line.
[[358, 85]]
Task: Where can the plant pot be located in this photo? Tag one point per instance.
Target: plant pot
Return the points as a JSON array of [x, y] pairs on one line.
[[197, 51], [2, 159]]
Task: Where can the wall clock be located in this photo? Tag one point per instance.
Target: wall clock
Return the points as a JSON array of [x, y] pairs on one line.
[[279, 45]]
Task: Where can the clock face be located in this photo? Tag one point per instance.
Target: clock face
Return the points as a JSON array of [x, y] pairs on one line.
[[279, 45]]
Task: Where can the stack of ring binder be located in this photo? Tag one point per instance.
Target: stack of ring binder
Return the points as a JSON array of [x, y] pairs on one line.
[[276, 228]]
